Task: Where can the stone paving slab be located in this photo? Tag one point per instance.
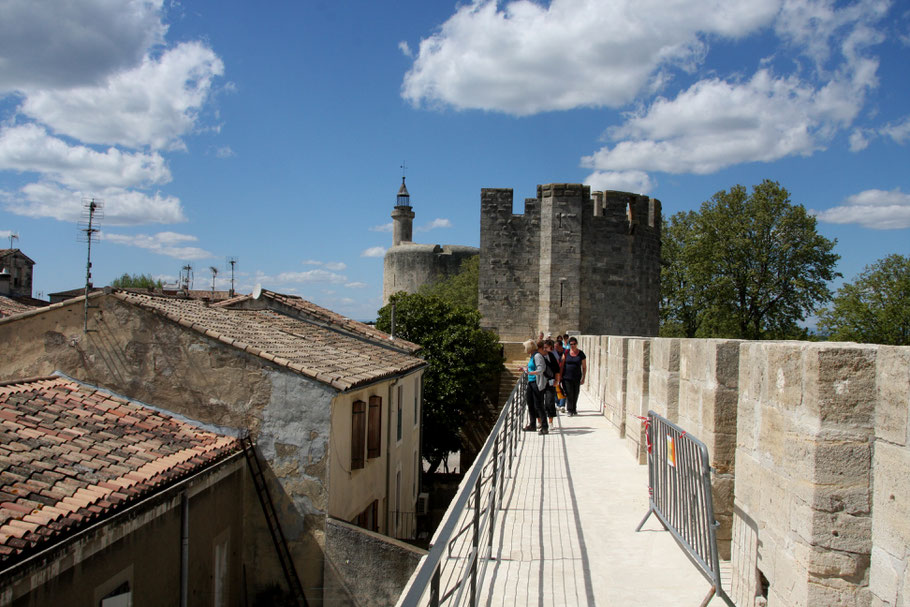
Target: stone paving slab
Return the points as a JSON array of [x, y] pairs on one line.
[[568, 527]]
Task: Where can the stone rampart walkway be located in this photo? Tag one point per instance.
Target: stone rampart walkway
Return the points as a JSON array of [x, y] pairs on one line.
[[568, 527]]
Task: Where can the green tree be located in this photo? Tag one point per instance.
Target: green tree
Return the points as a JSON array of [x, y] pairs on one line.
[[875, 307], [462, 361], [459, 289], [746, 265], [136, 281]]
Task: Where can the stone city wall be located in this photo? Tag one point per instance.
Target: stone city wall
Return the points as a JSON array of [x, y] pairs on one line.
[[889, 576], [638, 371], [816, 510]]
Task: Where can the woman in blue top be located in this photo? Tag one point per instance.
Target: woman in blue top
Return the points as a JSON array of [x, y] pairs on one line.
[[536, 384], [573, 368]]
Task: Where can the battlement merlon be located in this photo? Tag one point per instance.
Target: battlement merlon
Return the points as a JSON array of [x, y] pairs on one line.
[[639, 210]]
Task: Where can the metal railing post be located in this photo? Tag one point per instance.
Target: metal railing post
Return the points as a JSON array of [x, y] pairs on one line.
[[434, 588], [493, 490], [475, 542]]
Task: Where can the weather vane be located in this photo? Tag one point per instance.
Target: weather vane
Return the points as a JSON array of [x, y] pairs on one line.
[[404, 168]]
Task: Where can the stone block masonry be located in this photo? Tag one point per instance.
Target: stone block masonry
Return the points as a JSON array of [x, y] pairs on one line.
[[816, 510], [569, 263]]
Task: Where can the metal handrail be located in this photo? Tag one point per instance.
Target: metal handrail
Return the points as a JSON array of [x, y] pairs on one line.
[[474, 507]]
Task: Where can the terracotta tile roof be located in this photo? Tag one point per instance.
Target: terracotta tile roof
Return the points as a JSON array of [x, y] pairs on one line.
[[8, 306], [329, 352], [71, 454], [315, 312]]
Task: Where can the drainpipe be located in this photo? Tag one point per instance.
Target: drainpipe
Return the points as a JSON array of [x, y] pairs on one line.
[[184, 550]]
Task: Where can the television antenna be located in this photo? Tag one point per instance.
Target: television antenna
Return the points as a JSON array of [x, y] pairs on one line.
[[92, 213], [214, 272], [12, 237], [233, 262], [185, 281]]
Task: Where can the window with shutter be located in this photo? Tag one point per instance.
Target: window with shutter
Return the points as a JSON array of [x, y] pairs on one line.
[[358, 433], [374, 435]]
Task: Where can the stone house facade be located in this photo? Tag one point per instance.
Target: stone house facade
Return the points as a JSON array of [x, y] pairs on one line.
[[15, 273], [313, 389], [99, 494]]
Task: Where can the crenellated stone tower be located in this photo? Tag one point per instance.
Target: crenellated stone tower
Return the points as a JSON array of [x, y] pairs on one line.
[[572, 262]]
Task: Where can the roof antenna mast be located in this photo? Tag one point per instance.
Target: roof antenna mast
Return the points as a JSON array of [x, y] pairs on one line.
[[12, 237], [233, 262], [92, 213]]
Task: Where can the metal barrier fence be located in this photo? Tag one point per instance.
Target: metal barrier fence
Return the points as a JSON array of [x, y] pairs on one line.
[[679, 483], [453, 571]]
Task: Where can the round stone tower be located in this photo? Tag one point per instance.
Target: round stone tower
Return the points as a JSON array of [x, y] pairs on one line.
[[409, 265]]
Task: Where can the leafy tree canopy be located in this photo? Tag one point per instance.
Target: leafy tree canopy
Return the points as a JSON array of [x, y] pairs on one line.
[[875, 307], [136, 281], [463, 359], [460, 289], [745, 265]]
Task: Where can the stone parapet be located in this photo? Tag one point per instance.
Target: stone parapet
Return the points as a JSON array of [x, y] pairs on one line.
[[889, 575], [638, 374], [810, 446], [708, 380], [664, 378], [615, 385], [802, 525]]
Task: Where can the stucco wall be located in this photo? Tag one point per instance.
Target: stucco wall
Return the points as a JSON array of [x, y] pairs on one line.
[[140, 355], [366, 569], [354, 490]]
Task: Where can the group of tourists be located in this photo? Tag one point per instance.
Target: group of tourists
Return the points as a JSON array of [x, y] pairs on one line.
[[556, 371]]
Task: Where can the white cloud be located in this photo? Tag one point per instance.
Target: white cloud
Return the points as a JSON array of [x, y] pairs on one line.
[[528, 58], [898, 131], [876, 209], [373, 252], [162, 243], [61, 44], [7, 233], [637, 182], [224, 151], [356, 285], [121, 207], [386, 227], [310, 276], [436, 223], [715, 124], [405, 49], [152, 105], [859, 140], [29, 148], [335, 266]]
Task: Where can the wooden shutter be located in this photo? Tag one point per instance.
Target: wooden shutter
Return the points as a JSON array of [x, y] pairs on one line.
[[358, 433], [374, 433]]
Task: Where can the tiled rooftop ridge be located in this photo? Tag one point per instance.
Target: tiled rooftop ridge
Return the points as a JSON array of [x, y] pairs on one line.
[[72, 454], [325, 354], [310, 309]]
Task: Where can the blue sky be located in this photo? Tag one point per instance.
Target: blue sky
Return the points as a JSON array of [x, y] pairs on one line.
[[275, 133]]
